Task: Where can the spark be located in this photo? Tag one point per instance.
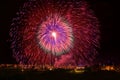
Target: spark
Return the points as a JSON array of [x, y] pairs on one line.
[[54, 34]]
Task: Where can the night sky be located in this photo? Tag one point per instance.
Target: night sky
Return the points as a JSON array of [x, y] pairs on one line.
[[104, 10]]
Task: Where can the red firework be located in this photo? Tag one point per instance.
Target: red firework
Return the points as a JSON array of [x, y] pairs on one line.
[[55, 32]]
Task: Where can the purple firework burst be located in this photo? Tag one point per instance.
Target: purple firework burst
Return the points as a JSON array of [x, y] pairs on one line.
[[55, 35]]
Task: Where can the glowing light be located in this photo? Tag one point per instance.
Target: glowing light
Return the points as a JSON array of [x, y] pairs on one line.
[[54, 35], [108, 68], [51, 69], [78, 71]]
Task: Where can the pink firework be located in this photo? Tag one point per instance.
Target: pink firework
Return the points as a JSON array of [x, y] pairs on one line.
[[57, 32]]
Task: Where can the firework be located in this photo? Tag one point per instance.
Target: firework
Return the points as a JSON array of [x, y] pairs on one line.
[[57, 32], [55, 35]]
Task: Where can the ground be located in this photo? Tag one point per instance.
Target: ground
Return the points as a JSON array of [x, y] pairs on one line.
[[9, 73]]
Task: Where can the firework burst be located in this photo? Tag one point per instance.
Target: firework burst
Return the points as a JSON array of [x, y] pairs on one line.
[[62, 32], [55, 35]]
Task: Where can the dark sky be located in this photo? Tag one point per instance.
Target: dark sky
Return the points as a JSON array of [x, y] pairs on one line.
[[104, 10]]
